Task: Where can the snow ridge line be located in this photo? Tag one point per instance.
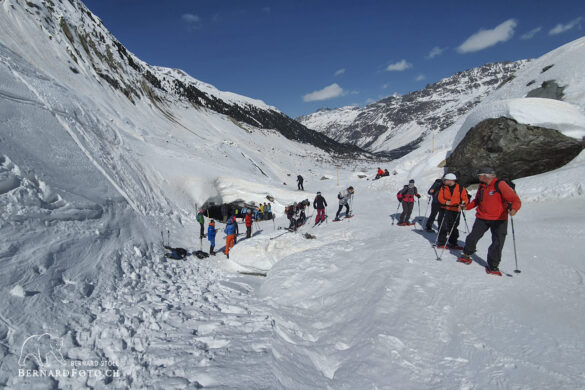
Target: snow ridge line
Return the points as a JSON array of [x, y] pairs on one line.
[[77, 141]]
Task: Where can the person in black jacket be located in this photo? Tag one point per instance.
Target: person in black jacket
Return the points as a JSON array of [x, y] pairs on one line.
[[319, 203], [300, 180], [435, 206]]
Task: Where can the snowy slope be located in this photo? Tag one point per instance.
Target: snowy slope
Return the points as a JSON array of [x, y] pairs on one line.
[[90, 179]]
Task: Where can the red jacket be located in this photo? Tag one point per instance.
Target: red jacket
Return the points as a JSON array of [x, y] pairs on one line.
[[492, 205], [248, 220]]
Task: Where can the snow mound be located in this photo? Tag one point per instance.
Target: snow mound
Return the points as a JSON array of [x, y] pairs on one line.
[[547, 113]]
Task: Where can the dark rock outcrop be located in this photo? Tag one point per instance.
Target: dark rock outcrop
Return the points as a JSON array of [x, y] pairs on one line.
[[548, 90], [513, 149]]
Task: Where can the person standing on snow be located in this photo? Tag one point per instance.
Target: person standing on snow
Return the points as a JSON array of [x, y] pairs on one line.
[[319, 204], [211, 232], [300, 181], [494, 200], [452, 198], [230, 231], [406, 198], [201, 219], [435, 206], [344, 197], [249, 224]]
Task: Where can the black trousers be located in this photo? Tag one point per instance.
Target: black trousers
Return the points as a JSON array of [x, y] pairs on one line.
[[406, 211], [341, 207], [450, 224], [301, 186], [499, 230], [248, 231], [201, 233], [435, 209]]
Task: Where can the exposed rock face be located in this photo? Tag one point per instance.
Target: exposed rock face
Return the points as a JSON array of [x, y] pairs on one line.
[[434, 108], [548, 90], [514, 150]]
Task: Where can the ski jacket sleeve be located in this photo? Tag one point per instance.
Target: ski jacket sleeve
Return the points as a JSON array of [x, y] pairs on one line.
[[509, 195]]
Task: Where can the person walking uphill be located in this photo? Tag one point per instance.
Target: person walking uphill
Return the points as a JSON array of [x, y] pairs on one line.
[[344, 198], [300, 181], [211, 232], [230, 231], [319, 204], [406, 197], [494, 200], [453, 198], [249, 224]]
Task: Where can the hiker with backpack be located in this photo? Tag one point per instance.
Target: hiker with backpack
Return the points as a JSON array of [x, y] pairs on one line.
[[249, 224], [290, 214], [319, 204], [201, 219], [379, 174], [406, 198], [211, 232], [453, 198], [495, 199], [344, 198], [230, 231], [300, 181], [436, 209]]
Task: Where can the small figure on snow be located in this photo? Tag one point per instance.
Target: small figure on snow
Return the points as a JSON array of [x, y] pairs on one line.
[[344, 198], [201, 219], [249, 224], [406, 197], [211, 232], [379, 174], [230, 231], [495, 199], [300, 181], [319, 204]]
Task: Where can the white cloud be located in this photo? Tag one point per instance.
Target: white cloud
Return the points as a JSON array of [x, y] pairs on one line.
[[340, 72], [530, 34], [436, 51], [190, 18], [329, 92], [487, 38], [561, 28], [399, 66], [420, 77]]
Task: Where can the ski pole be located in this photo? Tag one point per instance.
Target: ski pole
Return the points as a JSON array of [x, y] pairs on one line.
[[450, 232], [395, 213], [514, 241], [418, 201], [168, 237], [439, 232], [466, 225]]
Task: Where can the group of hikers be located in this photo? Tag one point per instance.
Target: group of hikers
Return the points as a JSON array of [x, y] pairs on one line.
[[495, 199], [381, 173]]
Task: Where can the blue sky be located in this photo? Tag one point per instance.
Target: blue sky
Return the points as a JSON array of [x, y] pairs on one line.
[[304, 55]]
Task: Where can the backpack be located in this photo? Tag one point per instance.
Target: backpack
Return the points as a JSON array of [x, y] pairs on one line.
[[508, 182]]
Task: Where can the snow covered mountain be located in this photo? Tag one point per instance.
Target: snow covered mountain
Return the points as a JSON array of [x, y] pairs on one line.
[[397, 124], [96, 171]]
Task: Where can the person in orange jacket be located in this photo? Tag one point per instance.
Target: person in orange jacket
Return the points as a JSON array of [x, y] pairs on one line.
[[494, 200], [453, 198]]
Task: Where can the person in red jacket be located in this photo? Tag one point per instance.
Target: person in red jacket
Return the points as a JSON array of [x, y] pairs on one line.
[[494, 200], [453, 198], [406, 198], [249, 224]]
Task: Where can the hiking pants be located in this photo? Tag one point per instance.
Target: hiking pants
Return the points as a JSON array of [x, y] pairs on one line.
[[406, 211], [499, 231], [435, 209], [450, 221], [320, 215], [248, 231], [339, 209], [229, 243], [201, 233]]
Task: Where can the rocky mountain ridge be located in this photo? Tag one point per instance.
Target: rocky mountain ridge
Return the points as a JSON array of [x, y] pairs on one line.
[[397, 124]]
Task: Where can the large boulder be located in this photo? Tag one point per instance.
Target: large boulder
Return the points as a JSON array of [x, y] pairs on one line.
[[513, 149]]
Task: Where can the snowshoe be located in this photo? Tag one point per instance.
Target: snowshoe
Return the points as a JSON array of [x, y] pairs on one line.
[[442, 246], [496, 271], [466, 259], [336, 220]]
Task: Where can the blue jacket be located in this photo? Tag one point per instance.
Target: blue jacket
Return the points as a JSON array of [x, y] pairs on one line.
[[211, 232], [230, 229]]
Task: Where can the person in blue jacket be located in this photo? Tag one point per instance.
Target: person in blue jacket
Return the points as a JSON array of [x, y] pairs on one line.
[[230, 231], [211, 231]]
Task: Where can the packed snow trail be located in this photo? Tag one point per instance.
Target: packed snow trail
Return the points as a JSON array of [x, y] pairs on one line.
[[377, 311]]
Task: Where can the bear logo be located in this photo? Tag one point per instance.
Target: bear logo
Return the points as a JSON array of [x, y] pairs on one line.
[[39, 347]]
